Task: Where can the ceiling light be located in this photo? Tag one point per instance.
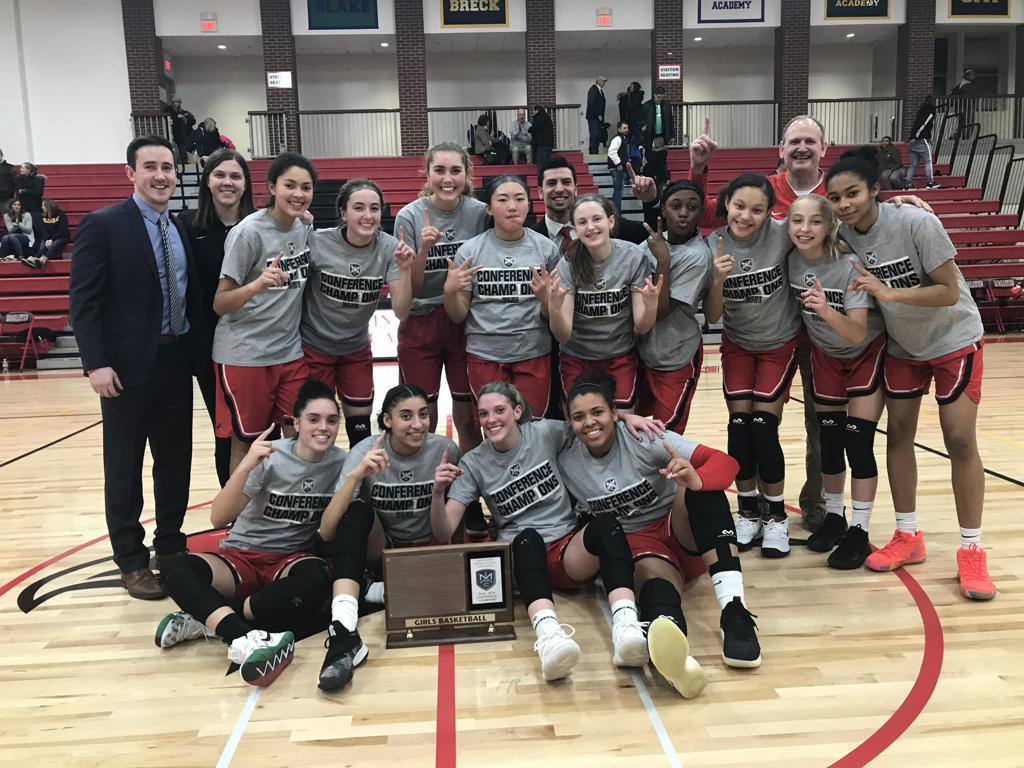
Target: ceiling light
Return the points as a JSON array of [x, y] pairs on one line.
[[384, 45], [851, 34], [697, 39], [222, 47]]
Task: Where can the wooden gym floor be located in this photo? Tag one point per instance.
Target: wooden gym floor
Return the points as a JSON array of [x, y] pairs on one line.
[[888, 669]]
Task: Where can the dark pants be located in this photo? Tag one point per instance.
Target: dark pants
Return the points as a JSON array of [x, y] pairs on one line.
[[541, 155], [16, 244], [52, 251], [157, 410], [594, 127], [812, 493], [222, 445], [656, 166]]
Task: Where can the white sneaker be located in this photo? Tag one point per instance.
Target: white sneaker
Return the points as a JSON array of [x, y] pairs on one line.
[[558, 652], [178, 627], [629, 643], [262, 655], [776, 538], [670, 654], [747, 530]]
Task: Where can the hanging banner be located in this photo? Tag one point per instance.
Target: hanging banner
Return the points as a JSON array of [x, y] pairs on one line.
[[992, 9], [856, 9], [342, 14], [729, 11], [474, 13]]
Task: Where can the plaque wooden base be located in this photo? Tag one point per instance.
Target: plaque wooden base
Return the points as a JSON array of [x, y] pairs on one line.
[[448, 594]]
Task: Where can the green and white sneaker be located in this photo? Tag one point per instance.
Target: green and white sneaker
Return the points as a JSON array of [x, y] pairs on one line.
[[178, 627]]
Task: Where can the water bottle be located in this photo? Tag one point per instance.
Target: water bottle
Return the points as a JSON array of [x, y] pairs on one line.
[[7, 367]]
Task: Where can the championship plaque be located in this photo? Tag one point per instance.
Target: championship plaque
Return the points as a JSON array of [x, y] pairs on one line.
[[460, 593]]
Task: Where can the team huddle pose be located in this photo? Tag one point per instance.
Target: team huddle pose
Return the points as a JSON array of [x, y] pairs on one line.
[[874, 289]]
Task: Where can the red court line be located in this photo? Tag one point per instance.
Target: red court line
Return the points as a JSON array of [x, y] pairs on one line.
[[444, 755]]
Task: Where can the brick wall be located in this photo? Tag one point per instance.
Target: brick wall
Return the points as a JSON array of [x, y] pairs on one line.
[[279, 56], [915, 59], [143, 61], [411, 57], [792, 60], [540, 52], [667, 48]]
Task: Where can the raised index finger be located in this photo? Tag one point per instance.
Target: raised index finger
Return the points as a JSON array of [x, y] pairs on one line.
[[265, 432], [630, 171], [426, 217], [859, 267], [401, 233], [277, 259], [817, 284], [707, 125], [379, 442], [444, 456]]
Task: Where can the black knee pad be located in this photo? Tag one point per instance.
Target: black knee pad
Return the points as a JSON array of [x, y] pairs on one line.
[[764, 433], [282, 603], [348, 548], [605, 538], [530, 565], [357, 428], [741, 446], [712, 526], [189, 582], [832, 428], [860, 447], [659, 598]]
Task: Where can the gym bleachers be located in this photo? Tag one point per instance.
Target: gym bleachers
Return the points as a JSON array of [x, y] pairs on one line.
[[990, 244]]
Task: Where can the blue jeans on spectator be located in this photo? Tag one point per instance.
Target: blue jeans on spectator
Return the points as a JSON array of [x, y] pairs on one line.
[[16, 244], [618, 180], [920, 152], [53, 251]]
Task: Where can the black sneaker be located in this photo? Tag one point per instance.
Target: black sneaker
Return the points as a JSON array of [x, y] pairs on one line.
[[826, 537], [345, 652], [740, 647], [853, 549]]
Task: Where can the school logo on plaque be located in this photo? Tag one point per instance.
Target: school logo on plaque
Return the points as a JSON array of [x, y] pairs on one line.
[[486, 578]]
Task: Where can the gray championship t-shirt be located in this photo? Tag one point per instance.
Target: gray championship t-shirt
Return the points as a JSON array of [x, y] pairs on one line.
[[674, 340], [602, 323], [458, 226], [759, 313], [287, 496], [401, 494], [902, 247], [625, 481], [505, 323], [266, 330], [343, 290], [835, 277], [522, 487]]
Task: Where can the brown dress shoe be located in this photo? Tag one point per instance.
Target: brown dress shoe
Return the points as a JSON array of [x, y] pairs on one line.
[[143, 585]]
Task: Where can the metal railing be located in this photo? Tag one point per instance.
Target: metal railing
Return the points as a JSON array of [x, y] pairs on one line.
[[994, 114], [858, 121], [151, 124], [268, 135], [733, 123], [350, 132], [454, 123]]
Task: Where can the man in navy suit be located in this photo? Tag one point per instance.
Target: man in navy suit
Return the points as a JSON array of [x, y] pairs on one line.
[[135, 301], [595, 112]]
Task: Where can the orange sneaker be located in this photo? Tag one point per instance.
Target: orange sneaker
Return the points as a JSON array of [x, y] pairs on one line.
[[972, 567], [903, 549]]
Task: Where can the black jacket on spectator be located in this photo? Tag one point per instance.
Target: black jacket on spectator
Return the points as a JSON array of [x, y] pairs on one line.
[[181, 125], [6, 181], [668, 130], [30, 192], [595, 103], [631, 107], [542, 132], [924, 122], [204, 143]]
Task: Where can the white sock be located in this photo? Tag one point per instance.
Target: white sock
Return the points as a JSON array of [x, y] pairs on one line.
[[623, 610], [780, 497], [747, 493], [728, 584], [906, 521], [861, 514], [345, 608], [834, 504], [969, 536], [375, 593], [544, 622]]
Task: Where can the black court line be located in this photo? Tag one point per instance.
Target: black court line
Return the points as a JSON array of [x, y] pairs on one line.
[[51, 443], [48, 416], [937, 452]]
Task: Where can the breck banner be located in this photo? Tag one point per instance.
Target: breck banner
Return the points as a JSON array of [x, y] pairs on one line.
[[856, 9], [474, 13], [980, 8]]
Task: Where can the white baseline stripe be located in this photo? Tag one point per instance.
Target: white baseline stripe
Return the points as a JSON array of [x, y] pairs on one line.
[[236, 735], [645, 697]]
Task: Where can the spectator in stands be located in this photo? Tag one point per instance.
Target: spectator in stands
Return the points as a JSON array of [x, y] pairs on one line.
[[182, 122], [519, 138], [19, 240], [919, 146], [890, 164], [618, 156], [595, 112], [225, 198], [207, 139], [482, 134], [966, 85], [6, 181], [659, 131], [631, 105], [53, 235], [542, 135], [29, 189]]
